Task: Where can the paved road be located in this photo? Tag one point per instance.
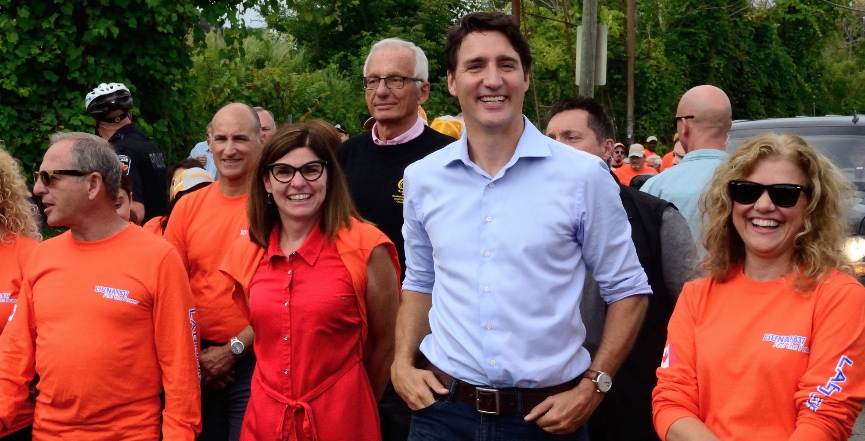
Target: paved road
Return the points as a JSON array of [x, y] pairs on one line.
[[859, 428]]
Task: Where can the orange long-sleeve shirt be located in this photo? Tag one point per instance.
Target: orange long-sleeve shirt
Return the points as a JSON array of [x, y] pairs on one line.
[[107, 326], [760, 361], [14, 257], [202, 227]]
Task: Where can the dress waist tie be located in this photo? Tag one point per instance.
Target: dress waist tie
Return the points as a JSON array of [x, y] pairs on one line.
[[298, 413]]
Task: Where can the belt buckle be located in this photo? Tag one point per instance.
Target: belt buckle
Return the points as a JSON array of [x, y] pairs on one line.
[[486, 390]]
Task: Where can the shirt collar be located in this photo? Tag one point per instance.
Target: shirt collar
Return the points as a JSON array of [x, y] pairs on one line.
[[411, 134], [308, 251], [532, 144]]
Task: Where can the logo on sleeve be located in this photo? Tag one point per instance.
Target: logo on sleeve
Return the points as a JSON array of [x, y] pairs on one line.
[[791, 342], [194, 327], [6, 297], [668, 357], [125, 163], [120, 295], [815, 399]]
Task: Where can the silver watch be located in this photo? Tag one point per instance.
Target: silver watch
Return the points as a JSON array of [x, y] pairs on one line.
[[603, 381], [236, 346]]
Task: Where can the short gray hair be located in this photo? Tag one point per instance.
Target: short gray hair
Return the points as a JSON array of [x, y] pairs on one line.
[[91, 153], [421, 65]]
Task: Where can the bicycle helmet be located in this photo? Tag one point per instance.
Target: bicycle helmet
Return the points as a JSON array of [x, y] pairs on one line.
[[106, 98]]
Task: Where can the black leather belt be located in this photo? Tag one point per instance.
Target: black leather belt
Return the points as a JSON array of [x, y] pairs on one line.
[[495, 401]]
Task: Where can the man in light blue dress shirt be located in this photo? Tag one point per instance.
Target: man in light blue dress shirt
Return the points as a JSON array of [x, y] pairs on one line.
[[501, 228], [703, 120], [201, 153]]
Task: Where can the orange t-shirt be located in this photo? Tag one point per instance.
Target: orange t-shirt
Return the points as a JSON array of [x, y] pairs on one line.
[[667, 161], [14, 257], [108, 326], [760, 361], [202, 227], [625, 173], [154, 225]]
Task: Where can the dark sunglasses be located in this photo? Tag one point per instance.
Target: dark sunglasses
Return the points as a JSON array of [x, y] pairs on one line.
[[618, 152], [45, 175], [284, 173], [782, 195]]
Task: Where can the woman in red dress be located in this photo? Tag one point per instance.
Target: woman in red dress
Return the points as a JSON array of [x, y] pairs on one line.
[[321, 290]]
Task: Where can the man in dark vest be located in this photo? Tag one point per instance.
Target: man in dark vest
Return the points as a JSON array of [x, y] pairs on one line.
[[395, 84], [666, 252], [110, 105]]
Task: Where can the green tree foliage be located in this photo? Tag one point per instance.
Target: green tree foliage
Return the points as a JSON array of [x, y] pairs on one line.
[[269, 70], [53, 52], [340, 33]]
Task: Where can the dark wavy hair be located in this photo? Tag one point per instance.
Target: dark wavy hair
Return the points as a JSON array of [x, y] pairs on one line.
[[486, 22]]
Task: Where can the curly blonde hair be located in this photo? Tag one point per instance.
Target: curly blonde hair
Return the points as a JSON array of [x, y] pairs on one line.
[[818, 248], [17, 214]]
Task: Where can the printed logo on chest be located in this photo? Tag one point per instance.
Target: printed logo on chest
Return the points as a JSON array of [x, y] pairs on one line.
[[6, 297], [120, 295], [790, 342]]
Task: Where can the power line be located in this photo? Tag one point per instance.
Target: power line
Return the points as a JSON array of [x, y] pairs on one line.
[[843, 7]]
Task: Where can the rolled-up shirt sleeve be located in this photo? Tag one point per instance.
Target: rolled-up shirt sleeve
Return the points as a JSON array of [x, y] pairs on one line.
[[419, 266]]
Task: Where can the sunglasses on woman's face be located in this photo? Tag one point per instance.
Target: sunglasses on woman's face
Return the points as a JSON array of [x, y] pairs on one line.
[[782, 195]]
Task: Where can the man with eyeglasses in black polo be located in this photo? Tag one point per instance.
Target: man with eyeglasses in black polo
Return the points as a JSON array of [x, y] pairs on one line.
[[703, 120], [395, 84]]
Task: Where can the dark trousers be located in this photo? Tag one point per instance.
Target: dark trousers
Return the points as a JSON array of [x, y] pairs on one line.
[[394, 415], [451, 420], [222, 410]]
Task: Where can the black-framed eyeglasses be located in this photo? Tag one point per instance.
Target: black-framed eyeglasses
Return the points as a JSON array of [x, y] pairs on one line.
[[284, 173], [782, 195], [371, 83], [45, 175], [618, 152]]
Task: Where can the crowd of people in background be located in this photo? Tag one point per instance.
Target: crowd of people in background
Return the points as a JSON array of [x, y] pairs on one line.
[[466, 278]]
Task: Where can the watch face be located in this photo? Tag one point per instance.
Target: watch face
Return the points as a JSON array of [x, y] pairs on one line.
[[605, 382], [237, 347]]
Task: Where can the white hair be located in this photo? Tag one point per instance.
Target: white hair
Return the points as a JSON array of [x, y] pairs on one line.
[[421, 65]]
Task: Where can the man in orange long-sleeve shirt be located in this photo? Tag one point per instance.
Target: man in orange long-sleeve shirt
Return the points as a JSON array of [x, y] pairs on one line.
[[104, 316], [203, 226]]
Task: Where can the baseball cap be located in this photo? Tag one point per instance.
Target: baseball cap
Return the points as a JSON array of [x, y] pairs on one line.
[[190, 179], [450, 127], [650, 139], [635, 150]]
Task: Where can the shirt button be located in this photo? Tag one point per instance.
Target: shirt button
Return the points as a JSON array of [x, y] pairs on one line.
[[289, 271], [285, 337], [492, 184], [285, 372], [489, 219], [286, 303], [492, 362], [489, 326], [486, 289], [487, 254]]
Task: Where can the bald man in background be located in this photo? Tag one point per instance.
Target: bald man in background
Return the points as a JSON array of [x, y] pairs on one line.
[[703, 120]]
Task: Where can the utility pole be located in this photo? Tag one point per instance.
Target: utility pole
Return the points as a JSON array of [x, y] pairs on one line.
[[588, 48], [632, 11]]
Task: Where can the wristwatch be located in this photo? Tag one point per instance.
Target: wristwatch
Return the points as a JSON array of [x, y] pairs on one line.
[[603, 381], [236, 346]]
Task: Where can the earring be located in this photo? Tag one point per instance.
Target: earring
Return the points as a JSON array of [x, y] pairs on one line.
[[269, 198]]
